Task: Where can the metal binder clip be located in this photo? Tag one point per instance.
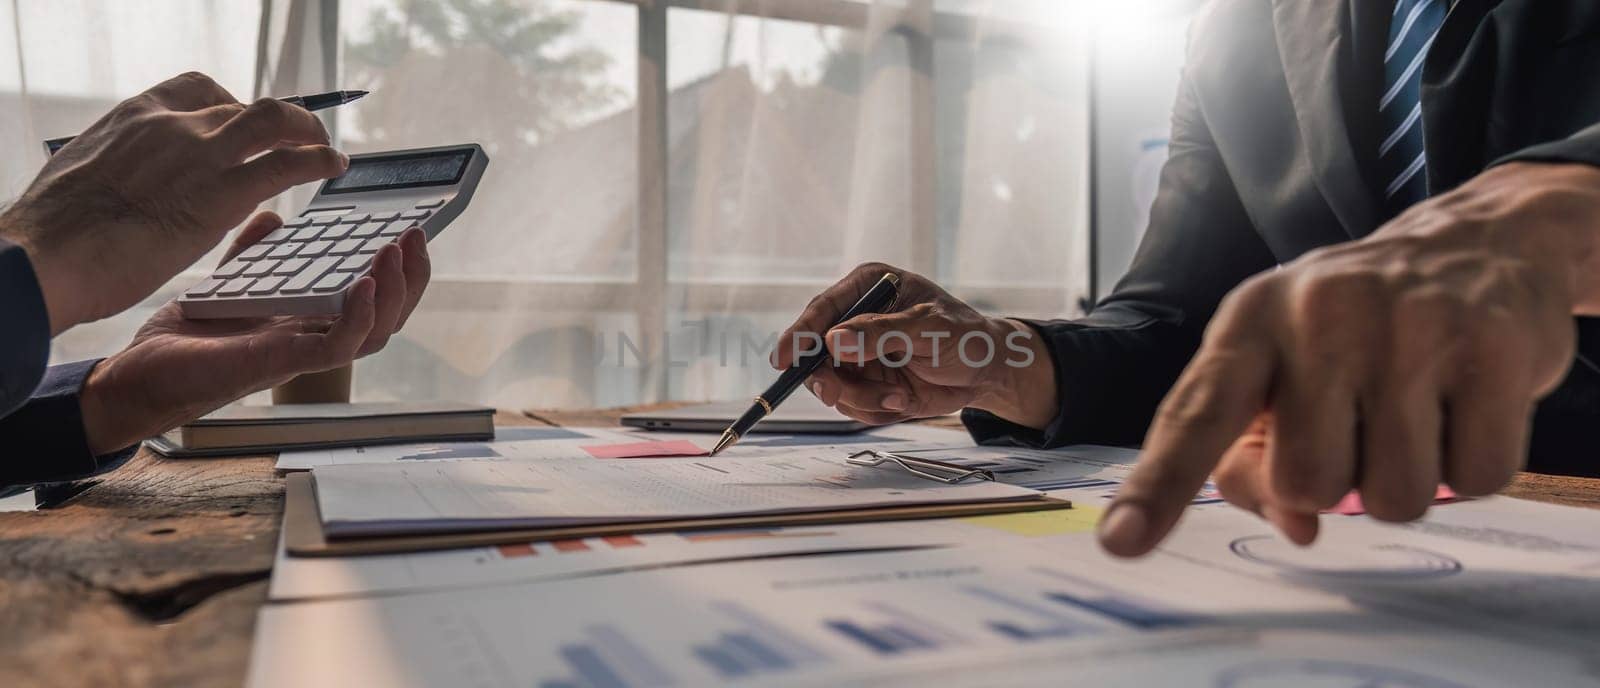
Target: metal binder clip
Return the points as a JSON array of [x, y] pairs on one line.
[[947, 473]]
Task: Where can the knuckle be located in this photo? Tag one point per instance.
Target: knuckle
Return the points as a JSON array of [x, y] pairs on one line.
[[329, 161], [141, 103], [1256, 292], [197, 77], [922, 311], [874, 269], [268, 114], [1338, 291]]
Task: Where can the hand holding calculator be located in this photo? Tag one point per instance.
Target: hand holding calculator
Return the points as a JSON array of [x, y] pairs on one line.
[[306, 266]]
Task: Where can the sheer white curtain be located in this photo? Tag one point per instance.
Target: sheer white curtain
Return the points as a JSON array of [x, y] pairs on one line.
[[801, 137]]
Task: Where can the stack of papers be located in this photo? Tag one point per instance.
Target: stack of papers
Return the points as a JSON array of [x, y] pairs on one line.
[[1482, 592], [1228, 604], [458, 496]]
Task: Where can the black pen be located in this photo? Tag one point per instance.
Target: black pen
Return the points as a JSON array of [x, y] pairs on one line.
[[313, 102], [877, 300]]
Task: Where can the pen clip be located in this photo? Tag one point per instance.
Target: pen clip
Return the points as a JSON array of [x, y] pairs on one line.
[[938, 471]]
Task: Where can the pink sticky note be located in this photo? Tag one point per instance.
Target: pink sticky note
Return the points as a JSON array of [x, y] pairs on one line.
[[645, 450], [1351, 504]]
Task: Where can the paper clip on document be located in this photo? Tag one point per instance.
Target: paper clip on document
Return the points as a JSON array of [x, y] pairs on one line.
[[947, 473]]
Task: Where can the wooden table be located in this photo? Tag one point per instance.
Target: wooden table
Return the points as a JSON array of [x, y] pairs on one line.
[[153, 576]]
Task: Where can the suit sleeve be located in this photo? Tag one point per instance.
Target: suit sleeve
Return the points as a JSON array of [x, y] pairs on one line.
[[25, 344], [1582, 147], [1114, 366], [44, 437]]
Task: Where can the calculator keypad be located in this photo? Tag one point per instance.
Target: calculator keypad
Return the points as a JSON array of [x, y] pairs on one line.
[[311, 255]]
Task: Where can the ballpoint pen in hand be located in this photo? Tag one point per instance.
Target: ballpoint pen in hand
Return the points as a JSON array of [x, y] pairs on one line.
[[313, 102], [877, 300]]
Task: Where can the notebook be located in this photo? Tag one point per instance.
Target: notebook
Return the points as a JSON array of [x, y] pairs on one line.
[[236, 430]]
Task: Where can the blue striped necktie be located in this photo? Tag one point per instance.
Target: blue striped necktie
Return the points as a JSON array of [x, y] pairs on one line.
[[1402, 156]]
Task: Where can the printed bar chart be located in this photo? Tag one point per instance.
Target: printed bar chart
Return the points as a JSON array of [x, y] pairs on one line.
[[1048, 623], [1125, 611], [609, 660], [756, 647], [1115, 605], [886, 639], [739, 654]]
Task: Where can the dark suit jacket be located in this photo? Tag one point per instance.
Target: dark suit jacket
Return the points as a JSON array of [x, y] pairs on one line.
[[1274, 138], [41, 426]]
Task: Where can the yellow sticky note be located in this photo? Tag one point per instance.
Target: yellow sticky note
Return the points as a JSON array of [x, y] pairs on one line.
[[1078, 519]]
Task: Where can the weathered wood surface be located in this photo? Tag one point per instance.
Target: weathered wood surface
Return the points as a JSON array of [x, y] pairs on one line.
[[153, 576]]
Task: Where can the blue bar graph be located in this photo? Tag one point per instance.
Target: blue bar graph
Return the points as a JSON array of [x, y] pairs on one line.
[[1022, 634], [757, 647], [1125, 611], [784, 642], [740, 654], [887, 639], [1050, 622], [1109, 603], [608, 660], [590, 667], [751, 646], [629, 658], [721, 662]]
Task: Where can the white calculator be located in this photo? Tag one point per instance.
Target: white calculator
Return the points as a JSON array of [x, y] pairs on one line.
[[308, 265]]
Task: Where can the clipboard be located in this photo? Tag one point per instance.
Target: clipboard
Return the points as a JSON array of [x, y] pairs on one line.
[[303, 535]]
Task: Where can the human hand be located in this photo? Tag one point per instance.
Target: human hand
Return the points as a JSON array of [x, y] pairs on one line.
[[176, 369], [1385, 365], [152, 186], [931, 355]]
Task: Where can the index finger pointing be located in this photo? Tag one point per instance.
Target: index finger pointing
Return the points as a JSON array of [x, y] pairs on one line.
[[1215, 399]]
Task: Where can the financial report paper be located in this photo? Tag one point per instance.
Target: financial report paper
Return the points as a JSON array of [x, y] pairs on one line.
[[1474, 600], [1086, 476], [445, 496], [535, 443]]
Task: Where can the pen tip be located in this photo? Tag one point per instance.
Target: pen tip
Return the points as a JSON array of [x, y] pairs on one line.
[[357, 94], [727, 440]]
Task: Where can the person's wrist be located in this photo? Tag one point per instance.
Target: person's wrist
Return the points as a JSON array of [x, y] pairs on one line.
[[58, 284], [99, 410], [115, 414], [1019, 385], [1544, 214]]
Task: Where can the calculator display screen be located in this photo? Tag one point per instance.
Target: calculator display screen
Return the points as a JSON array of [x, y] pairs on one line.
[[400, 172]]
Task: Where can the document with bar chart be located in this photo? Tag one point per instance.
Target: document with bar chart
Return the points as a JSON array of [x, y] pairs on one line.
[[1083, 475], [1228, 605]]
